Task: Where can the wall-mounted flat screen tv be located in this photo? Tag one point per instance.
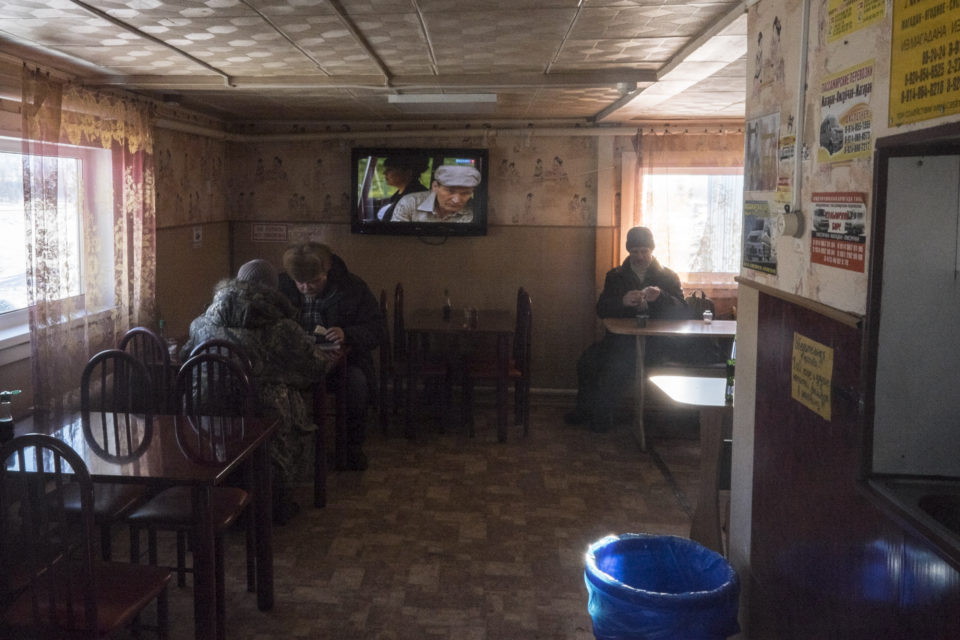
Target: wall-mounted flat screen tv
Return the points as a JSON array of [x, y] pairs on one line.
[[421, 192]]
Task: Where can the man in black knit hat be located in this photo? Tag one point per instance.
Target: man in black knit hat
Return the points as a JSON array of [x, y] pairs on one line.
[[605, 369]]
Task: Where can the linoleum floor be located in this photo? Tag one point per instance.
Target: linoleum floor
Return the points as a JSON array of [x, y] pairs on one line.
[[451, 537]]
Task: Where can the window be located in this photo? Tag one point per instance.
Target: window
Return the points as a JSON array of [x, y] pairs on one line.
[[84, 184], [13, 235], [696, 217]]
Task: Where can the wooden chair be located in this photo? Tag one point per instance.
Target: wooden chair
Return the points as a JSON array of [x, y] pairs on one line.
[[226, 348], [407, 374], [116, 412], [50, 582], [518, 369], [213, 395], [150, 349]]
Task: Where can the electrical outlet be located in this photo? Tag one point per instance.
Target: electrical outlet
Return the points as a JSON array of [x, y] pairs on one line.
[[198, 236]]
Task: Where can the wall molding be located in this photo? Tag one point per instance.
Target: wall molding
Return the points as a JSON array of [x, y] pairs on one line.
[[843, 317]]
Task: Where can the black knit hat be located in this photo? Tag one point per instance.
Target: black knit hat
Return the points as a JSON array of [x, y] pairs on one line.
[[640, 237]]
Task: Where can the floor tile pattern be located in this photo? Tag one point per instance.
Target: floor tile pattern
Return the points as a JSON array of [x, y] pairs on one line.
[[458, 538]]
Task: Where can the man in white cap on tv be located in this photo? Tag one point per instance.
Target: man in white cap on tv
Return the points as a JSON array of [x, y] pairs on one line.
[[449, 198]]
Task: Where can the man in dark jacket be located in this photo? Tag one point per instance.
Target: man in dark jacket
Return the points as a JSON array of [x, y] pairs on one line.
[[639, 285], [338, 307]]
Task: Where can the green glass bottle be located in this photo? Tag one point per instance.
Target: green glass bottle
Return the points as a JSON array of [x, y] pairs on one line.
[[731, 367]]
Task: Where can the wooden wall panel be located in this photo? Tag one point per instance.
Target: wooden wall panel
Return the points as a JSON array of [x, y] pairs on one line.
[[825, 563]]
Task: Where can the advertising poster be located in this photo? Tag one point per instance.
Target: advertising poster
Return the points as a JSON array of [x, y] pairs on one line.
[[847, 16], [845, 116], [925, 60], [838, 235], [760, 172], [811, 374], [758, 250]]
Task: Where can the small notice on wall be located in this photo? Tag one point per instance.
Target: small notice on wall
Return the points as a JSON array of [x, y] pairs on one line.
[[925, 60], [847, 16], [269, 232], [846, 122], [838, 238], [812, 374]]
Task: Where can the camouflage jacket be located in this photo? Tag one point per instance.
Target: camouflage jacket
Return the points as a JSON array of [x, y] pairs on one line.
[[261, 321]]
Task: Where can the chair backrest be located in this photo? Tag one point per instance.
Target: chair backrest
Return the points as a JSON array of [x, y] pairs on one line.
[[215, 385], [399, 333], [150, 349], [116, 404], [523, 334], [215, 395], [385, 347], [226, 348], [47, 554]]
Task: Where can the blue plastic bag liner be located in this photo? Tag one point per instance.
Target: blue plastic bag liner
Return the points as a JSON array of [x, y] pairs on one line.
[[647, 587]]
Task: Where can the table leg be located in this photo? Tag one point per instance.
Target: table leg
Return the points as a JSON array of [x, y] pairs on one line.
[[413, 353], [340, 420], [503, 363], [204, 571], [705, 525], [263, 519], [320, 445], [639, 396]]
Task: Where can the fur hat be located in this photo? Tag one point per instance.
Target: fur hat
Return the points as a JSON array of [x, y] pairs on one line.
[[640, 237], [259, 271]]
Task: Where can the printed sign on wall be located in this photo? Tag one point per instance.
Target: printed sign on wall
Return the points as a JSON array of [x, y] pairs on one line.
[[759, 252], [924, 60], [838, 238], [845, 116], [847, 16], [812, 374]]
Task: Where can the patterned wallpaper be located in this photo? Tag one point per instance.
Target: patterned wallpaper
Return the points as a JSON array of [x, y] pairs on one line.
[[534, 180]]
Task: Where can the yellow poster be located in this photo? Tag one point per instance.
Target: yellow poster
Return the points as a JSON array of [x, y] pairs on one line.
[[925, 60], [812, 374], [846, 121], [847, 16]]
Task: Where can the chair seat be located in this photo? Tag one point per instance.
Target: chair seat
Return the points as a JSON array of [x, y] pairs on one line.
[[173, 508], [110, 499], [123, 590]]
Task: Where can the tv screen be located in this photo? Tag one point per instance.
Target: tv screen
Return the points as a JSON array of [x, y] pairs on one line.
[[422, 192]]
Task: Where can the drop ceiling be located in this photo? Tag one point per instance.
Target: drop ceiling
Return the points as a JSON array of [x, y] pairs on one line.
[[586, 62]]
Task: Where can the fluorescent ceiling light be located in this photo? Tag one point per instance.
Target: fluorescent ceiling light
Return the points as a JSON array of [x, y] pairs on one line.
[[444, 102]]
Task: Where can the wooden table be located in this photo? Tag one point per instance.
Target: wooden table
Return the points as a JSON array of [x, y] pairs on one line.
[[496, 323], [671, 328], [707, 394], [164, 464]]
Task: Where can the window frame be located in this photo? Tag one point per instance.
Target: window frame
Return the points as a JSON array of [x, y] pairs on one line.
[[95, 202], [632, 192]]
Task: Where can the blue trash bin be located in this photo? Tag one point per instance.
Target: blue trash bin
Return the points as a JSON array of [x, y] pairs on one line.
[[647, 587]]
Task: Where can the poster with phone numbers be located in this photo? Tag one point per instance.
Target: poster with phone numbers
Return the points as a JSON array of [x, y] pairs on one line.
[[925, 60]]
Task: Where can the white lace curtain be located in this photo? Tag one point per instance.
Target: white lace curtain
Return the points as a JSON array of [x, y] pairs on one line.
[[688, 190]]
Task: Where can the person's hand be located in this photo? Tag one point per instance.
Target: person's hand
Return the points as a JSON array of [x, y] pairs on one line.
[[633, 298], [651, 293], [334, 335]]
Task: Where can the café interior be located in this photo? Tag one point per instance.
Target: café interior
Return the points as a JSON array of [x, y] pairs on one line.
[[213, 133]]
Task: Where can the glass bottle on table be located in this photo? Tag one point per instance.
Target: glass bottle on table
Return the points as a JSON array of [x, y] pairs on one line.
[[446, 304], [731, 367], [6, 415]]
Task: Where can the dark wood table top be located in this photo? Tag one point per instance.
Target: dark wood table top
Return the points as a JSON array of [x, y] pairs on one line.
[[163, 462]]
